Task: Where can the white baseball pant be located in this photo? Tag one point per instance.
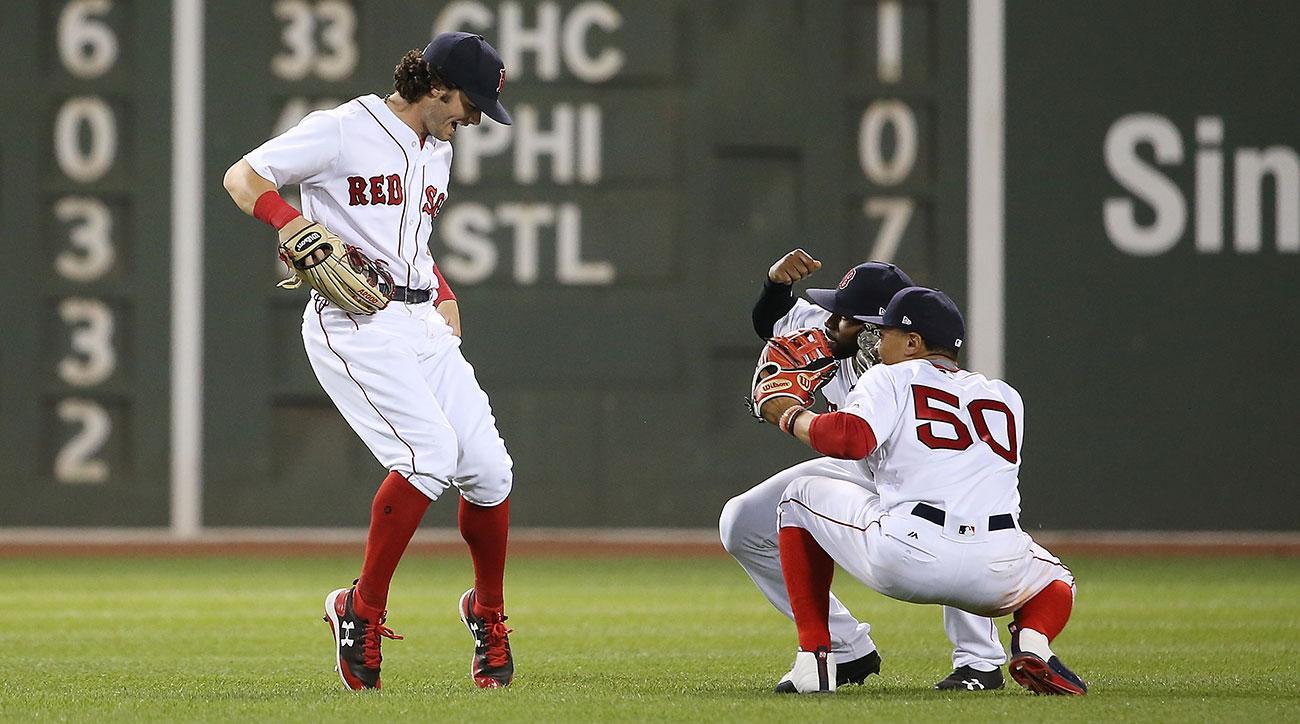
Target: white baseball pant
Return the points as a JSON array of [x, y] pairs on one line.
[[749, 533], [401, 382], [960, 564]]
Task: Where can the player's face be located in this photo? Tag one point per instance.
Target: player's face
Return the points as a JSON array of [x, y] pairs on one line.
[[445, 111], [843, 333], [896, 346]]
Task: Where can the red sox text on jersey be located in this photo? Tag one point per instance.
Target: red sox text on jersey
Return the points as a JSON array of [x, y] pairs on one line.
[[387, 190]]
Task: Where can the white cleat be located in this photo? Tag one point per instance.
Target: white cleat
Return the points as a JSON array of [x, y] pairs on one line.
[[813, 673]]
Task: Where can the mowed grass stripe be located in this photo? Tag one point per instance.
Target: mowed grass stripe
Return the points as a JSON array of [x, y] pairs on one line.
[[632, 639]]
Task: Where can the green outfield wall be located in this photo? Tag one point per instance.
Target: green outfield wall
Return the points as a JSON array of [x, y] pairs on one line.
[[607, 247]]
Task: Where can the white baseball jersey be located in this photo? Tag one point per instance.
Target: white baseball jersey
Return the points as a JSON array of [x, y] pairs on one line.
[[947, 437], [397, 376], [367, 177], [803, 315]]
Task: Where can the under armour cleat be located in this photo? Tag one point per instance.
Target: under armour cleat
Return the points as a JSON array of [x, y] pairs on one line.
[[1037, 669], [492, 666], [813, 673], [857, 670], [968, 678], [356, 641]]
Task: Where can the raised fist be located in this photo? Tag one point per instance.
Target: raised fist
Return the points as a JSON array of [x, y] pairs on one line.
[[792, 267]]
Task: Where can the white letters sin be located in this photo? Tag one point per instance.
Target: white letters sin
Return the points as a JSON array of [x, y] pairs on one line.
[[1146, 182]]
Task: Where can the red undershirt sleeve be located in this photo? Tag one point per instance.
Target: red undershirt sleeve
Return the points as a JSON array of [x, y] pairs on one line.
[[445, 294], [841, 435]]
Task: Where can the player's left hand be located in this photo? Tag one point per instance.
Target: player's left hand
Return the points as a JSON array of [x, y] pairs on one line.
[[793, 267], [450, 311], [793, 366]]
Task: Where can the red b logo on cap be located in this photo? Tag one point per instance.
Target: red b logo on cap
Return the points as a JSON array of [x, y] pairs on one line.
[[501, 83], [848, 277]]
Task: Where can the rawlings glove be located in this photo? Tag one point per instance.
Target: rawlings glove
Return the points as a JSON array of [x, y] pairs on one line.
[[349, 279], [793, 366]]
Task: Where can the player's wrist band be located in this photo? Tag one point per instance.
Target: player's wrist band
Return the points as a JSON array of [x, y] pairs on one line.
[[785, 423], [274, 210]]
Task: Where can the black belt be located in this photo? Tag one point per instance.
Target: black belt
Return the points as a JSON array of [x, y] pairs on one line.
[[410, 296], [1001, 521]]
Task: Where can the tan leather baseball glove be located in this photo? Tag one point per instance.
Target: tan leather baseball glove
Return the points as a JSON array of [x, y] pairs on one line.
[[336, 270]]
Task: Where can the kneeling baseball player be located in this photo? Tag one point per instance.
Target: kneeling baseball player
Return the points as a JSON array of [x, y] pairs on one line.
[[748, 522], [943, 446]]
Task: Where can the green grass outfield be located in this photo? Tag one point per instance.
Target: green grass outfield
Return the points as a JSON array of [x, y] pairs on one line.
[[615, 639]]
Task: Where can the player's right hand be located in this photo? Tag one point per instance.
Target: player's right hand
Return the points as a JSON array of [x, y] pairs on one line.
[[792, 267]]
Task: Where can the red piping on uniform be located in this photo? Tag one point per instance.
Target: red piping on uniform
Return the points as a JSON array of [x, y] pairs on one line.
[[419, 224], [321, 318], [400, 224], [805, 506]]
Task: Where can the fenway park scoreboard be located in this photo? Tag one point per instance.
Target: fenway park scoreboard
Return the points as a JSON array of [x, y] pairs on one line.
[[662, 154], [84, 207], [1108, 191]]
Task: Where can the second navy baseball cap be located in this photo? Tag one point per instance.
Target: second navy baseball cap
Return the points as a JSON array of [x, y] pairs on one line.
[[473, 65], [865, 290], [928, 312]]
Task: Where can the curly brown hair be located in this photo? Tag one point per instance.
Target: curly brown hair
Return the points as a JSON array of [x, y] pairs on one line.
[[413, 79]]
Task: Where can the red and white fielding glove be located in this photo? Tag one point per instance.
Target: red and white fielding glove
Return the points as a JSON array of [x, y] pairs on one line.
[[794, 366]]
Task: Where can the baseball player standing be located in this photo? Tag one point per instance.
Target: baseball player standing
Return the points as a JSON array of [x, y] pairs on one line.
[[374, 171], [748, 522], [943, 447]]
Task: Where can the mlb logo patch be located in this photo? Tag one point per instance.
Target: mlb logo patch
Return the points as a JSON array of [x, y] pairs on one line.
[[966, 530]]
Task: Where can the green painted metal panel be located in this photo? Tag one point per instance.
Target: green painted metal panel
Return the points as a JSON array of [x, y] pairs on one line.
[[1154, 349]]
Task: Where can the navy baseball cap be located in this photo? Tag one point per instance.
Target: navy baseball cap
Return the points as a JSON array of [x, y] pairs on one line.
[[928, 312], [471, 64], [865, 290]]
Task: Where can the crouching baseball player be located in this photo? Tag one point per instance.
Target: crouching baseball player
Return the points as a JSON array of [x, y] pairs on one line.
[[748, 521], [943, 446]]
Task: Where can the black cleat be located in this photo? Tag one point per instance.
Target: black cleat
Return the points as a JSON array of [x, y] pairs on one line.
[[492, 666], [356, 641], [966, 678], [857, 670]]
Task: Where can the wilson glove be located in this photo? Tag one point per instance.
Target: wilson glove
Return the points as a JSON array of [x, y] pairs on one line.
[[793, 366]]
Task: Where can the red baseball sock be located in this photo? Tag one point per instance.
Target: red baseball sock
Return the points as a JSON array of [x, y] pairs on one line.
[[394, 516], [486, 530], [1047, 611], [808, 570]]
